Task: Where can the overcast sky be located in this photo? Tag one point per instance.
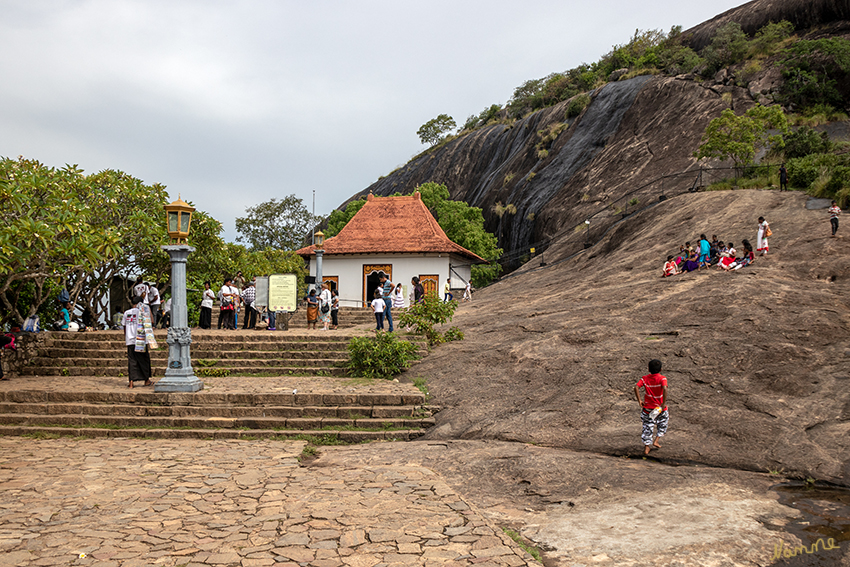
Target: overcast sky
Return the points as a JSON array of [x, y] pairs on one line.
[[232, 103]]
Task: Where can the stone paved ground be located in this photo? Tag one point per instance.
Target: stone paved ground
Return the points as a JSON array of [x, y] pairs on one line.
[[213, 385], [135, 502]]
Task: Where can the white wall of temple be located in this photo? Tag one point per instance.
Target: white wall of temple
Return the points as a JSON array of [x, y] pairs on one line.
[[354, 283]]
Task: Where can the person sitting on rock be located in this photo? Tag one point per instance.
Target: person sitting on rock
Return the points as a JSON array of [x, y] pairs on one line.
[[748, 258], [727, 262], [670, 268], [691, 262]]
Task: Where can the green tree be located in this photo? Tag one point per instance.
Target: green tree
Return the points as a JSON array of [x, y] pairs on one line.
[[728, 47], [739, 137], [45, 235], [464, 225], [278, 223], [816, 73], [339, 218], [434, 131]]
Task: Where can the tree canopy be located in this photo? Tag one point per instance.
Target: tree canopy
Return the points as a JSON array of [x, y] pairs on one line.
[[63, 228], [279, 224], [434, 131], [739, 137]]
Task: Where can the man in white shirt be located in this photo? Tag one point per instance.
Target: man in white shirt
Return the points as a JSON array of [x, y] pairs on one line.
[[154, 301]]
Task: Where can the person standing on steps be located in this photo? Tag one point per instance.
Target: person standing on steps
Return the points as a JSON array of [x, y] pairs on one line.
[[312, 310], [834, 211], [228, 295], [653, 407], [387, 295], [154, 300], [398, 297], [418, 290], [325, 301], [249, 296], [335, 309], [138, 336], [207, 298], [378, 307]]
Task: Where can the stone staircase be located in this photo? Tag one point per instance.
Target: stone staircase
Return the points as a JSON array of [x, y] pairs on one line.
[[337, 417], [257, 385], [348, 317], [213, 353]]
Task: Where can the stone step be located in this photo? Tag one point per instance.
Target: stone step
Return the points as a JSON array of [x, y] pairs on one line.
[[198, 354], [121, 371], [350, 412], [44, 362], [212, 422], [138, 396], [343, 436], [112, 340]]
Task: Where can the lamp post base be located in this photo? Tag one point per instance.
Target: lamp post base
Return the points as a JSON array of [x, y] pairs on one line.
[[175, 384]]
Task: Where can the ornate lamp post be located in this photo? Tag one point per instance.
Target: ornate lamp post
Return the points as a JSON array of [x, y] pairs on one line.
[[179, 376], [320, 244]]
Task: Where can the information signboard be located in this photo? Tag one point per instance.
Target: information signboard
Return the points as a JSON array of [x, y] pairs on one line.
[[261, 285], [283, 292]]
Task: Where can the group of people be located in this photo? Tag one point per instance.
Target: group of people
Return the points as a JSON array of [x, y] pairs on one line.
[[716, 252], [323, 308], [149, 292], [234, 293], [388, 296]]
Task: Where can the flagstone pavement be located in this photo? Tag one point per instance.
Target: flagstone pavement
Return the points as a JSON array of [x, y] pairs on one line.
[[134, 502]]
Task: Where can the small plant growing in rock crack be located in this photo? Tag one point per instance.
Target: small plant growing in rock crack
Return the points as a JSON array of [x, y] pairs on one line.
[[533, 551]]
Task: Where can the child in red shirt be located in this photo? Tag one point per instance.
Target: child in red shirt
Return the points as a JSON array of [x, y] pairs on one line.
[[653, 413]]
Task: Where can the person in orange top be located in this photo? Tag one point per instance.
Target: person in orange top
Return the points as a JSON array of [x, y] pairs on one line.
[[653, 413]]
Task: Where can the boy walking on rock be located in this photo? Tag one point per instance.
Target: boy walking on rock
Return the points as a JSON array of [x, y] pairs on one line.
[[653, 413]]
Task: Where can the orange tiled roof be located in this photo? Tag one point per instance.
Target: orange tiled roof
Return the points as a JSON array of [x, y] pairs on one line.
[[391, 225]]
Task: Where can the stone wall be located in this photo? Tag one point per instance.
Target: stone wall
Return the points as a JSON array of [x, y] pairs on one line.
[[28, 345]]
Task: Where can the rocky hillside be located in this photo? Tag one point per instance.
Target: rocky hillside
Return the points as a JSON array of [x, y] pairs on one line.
[[758, 360], [634, 141]]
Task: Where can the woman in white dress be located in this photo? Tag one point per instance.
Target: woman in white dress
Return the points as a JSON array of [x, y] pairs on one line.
[[761, 237], [325, 306], [398, 297]]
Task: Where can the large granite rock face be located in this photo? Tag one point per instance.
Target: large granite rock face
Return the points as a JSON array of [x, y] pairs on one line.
[[758, 360], [633, 132], [804, 14]]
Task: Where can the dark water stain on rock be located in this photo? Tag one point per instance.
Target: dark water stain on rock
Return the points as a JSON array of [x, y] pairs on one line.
[[823, 527]]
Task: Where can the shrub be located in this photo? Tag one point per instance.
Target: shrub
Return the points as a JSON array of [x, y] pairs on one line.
[[422, 317], [727, 48], [816, 72], [383, 356], [804, 171], [805, 141], [577, 104], [839, 180], [453, 334], [769, 38]]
